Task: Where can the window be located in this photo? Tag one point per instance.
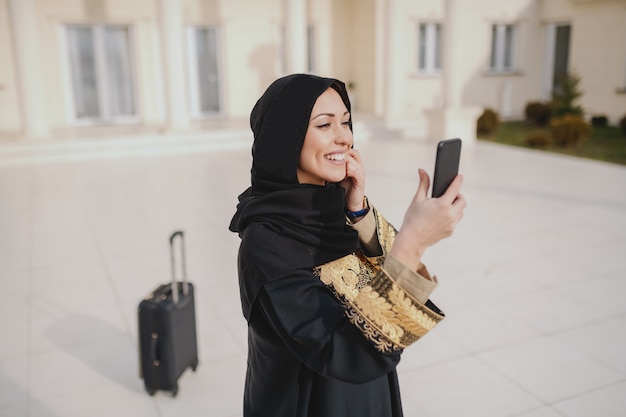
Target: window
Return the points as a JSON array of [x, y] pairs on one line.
[[204, 81], [429, 49], [561, 54], [556, 55], [502, 48], [101, 72]]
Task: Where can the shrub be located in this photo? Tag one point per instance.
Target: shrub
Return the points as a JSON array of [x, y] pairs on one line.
[[487, 122], [537, 140], [569, 130], [599, 121], [622, 124], [538, 113], [565, 95]]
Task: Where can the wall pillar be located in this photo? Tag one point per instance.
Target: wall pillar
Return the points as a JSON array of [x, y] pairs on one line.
[[456, 119], [379, 72], [395, 73], [29, 69], [173, 64], [295, 36]]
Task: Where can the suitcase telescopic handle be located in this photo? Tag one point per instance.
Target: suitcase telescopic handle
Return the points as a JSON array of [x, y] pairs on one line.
[[181, 235]]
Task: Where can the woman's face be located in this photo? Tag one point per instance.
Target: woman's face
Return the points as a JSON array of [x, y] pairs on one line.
[[328, 138]]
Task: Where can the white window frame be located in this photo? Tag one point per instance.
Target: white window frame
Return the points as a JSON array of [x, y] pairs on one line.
[[548, 60], [101, 75], [501, 49], [192, 73], [430, 42]]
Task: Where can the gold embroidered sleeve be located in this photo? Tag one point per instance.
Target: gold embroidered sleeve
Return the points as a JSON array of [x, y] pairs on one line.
[[389, 316], [385, 231]]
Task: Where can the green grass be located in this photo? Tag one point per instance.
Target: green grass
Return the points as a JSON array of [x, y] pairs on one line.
[[604, 143]]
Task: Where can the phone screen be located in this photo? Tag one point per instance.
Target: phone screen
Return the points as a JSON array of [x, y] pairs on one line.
[[446, 165]]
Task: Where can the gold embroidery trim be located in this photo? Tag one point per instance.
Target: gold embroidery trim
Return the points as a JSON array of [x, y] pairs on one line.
[[386, 314], [385, 231]]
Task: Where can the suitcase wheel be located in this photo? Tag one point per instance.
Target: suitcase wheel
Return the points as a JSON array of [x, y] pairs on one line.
[[175, 391], [194, 365], [150, 390]]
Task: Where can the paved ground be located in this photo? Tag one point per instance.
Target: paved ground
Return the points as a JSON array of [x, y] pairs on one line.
[[533, 282]]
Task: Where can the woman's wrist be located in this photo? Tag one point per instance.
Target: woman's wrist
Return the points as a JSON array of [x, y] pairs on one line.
[[359, 212], [407, 252]]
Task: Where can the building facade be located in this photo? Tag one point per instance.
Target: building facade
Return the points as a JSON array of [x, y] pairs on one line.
[[426, 67]]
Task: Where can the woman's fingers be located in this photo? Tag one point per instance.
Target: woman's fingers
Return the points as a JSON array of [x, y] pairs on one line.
[[428, 220], [355, 180], [453, 190], [355, 154], [354, 165]]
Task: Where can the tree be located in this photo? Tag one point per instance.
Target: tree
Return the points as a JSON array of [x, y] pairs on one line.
[[565, 94]]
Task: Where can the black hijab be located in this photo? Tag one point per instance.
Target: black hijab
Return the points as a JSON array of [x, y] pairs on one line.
[[284, 225]]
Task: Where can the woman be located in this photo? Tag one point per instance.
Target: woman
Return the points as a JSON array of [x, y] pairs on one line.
[[331, 292]]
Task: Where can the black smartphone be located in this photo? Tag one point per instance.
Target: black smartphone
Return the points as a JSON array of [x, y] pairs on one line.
[[446, 165]]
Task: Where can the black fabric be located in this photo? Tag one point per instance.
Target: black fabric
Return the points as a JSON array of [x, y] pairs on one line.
[[296, 225], [305, 359]]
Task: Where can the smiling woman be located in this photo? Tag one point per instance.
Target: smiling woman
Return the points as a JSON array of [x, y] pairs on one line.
[[331, 291]]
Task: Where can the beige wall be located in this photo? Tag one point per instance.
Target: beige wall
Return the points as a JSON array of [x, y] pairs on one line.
[[362, 71], [349, 46], [599, 57], [320, 15], [423, 92], [10, 120], [251, 51], [525, 85], [342, 25], [597, 51], [557, 10]]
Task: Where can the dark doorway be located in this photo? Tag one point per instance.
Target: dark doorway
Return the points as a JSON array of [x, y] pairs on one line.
[[561, 53]]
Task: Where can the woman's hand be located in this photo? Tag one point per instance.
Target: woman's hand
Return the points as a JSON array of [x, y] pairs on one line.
[[354, 183], [427, 221]]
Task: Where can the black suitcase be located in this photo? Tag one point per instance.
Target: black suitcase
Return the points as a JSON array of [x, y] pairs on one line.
[[167, 330]]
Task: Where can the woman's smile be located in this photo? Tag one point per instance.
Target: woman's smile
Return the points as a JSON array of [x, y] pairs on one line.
[[337, 157]]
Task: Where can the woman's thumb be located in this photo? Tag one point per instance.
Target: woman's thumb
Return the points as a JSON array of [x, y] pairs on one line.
[[422, 190]]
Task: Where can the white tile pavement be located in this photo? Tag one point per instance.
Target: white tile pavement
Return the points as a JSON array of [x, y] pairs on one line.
[[533, 281]]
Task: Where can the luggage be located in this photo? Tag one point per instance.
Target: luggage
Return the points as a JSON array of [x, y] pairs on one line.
[[167, 330]]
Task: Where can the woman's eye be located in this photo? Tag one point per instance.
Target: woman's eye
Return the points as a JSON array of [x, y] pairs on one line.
[[323, 125], [346, 123]]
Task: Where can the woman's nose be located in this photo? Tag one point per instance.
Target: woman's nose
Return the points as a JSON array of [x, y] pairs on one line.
[[343, 135]]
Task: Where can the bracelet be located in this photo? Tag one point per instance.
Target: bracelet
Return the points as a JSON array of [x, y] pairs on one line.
[[359, 213]]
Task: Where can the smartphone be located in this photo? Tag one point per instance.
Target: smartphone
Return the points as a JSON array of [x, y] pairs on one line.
[[446, 165]]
